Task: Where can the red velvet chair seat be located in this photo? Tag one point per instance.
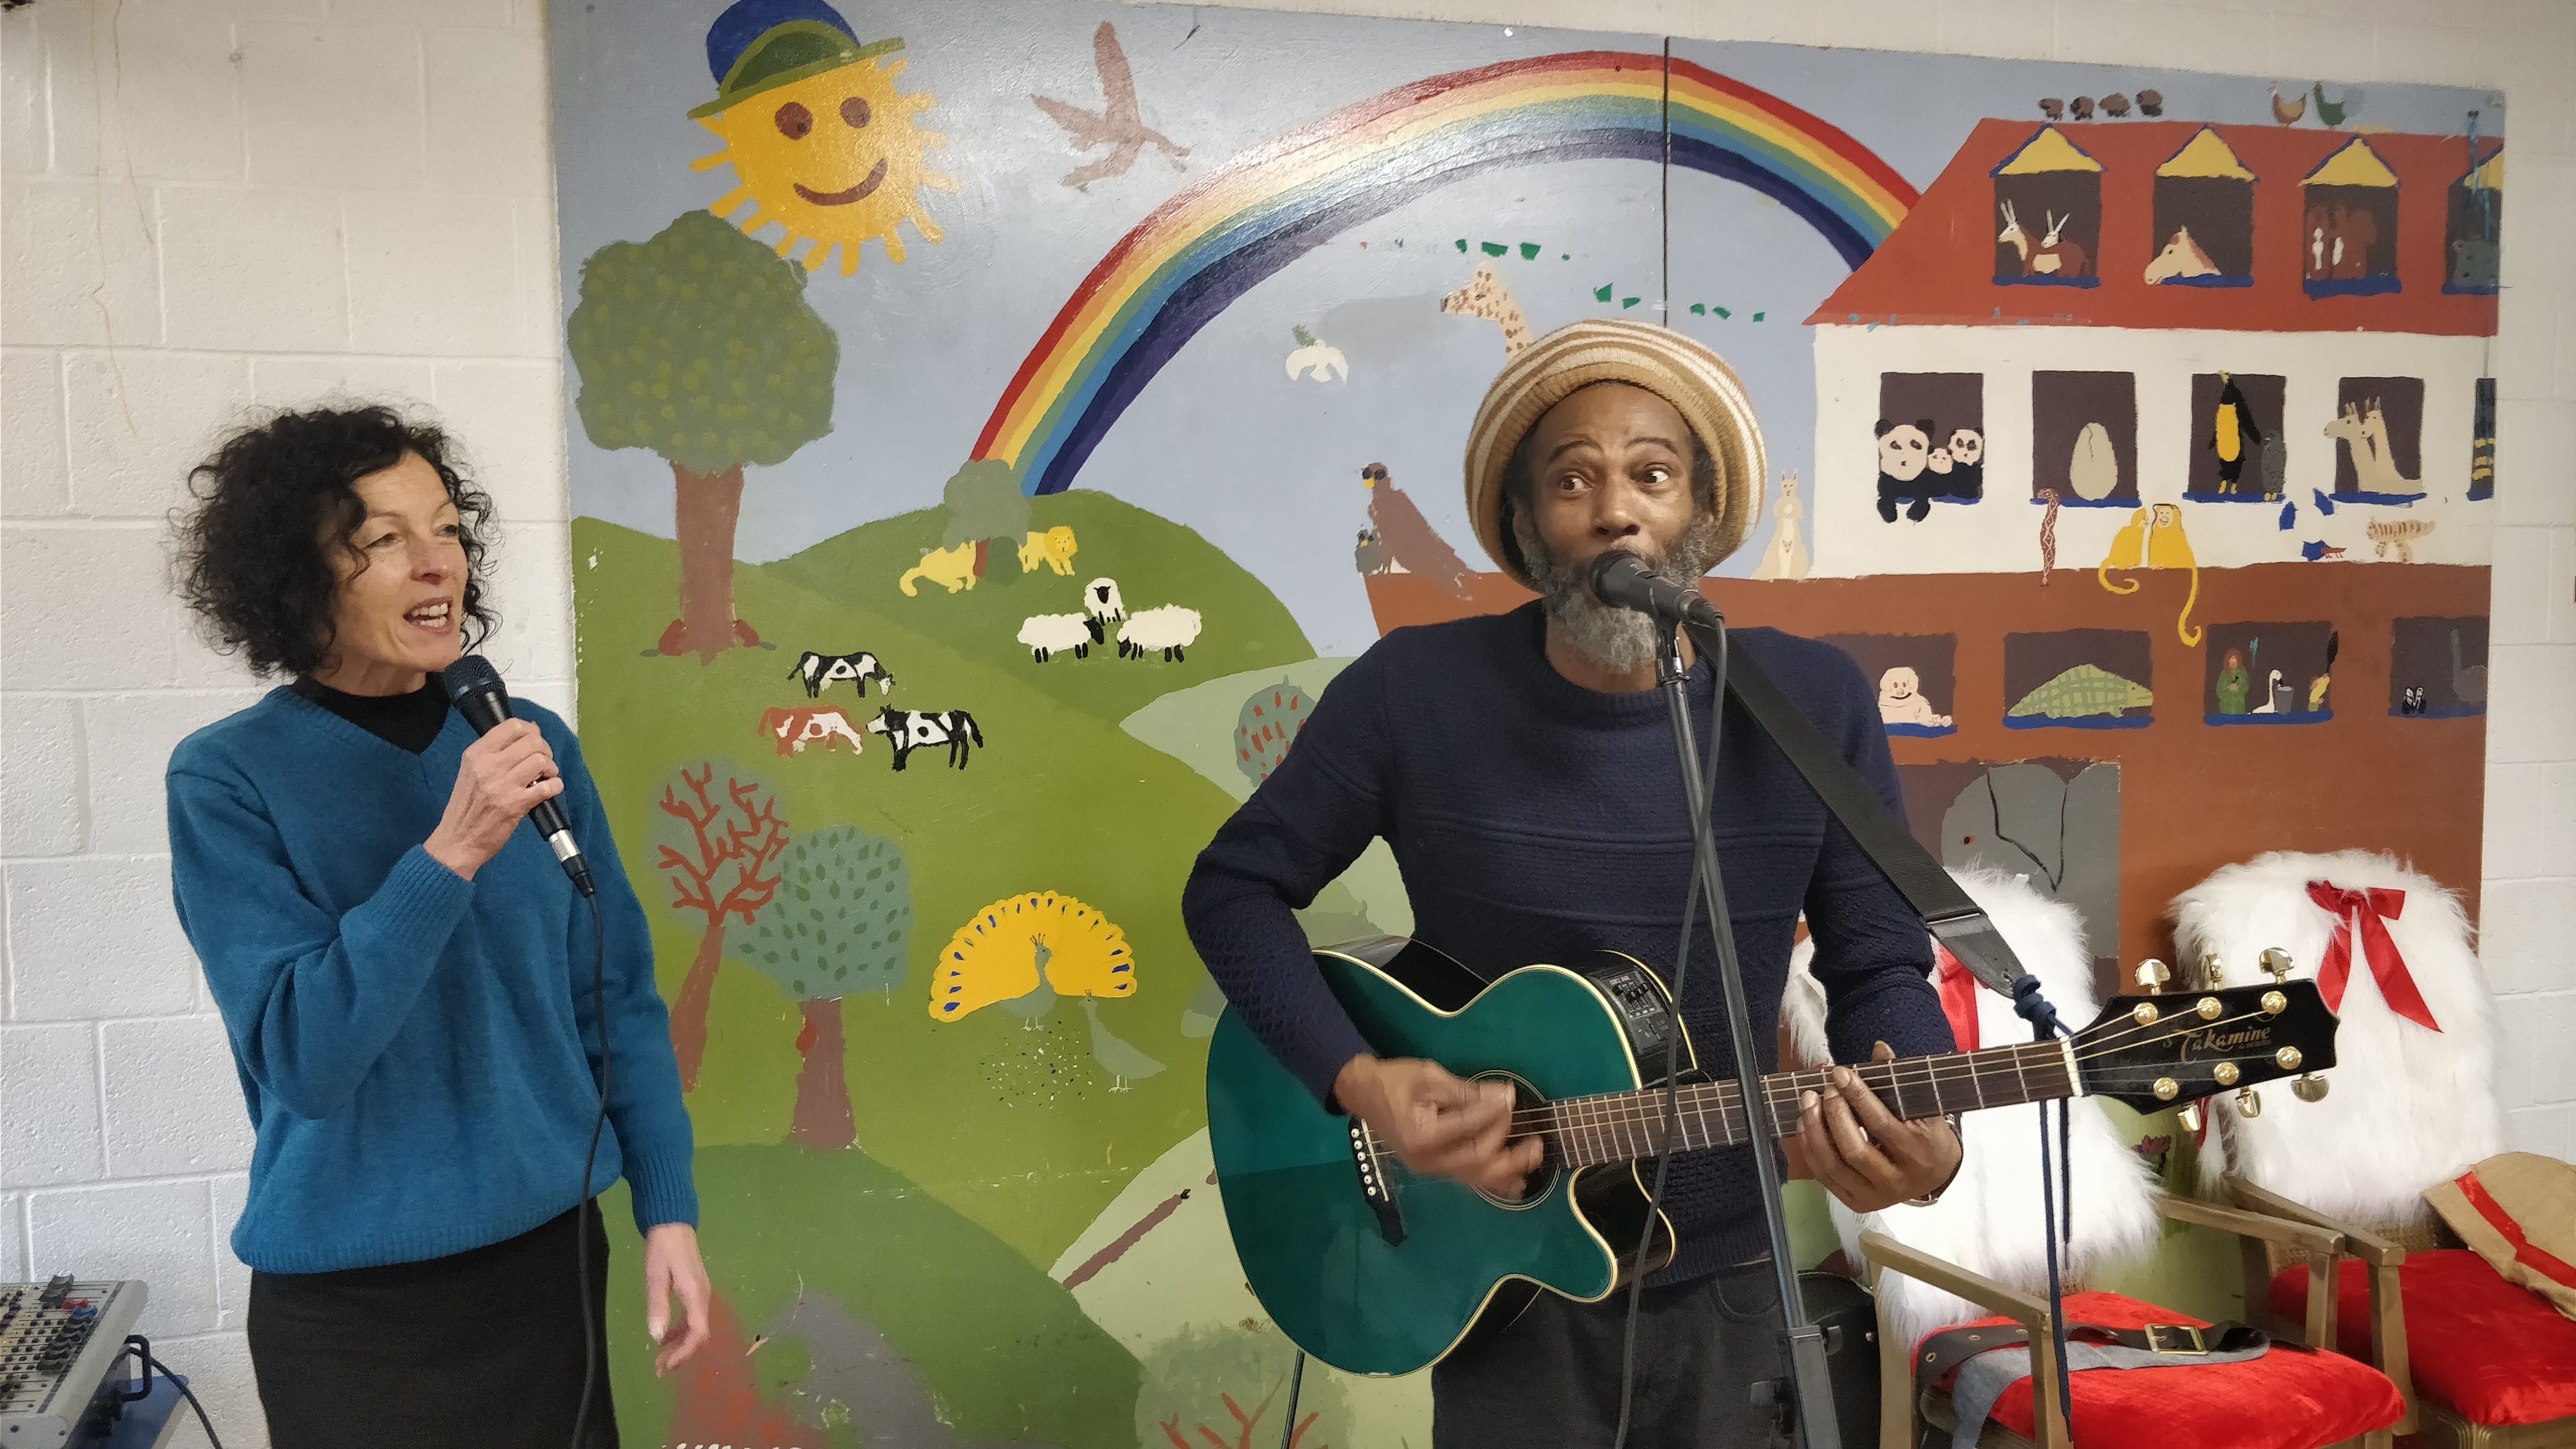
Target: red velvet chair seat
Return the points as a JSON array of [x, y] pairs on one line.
[[2491, 1350], [2284, 1400]]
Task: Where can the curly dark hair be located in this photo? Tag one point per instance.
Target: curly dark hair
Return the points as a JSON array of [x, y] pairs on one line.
[[250, 556]]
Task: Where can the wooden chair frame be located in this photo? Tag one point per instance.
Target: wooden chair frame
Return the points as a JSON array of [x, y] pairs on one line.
[[1901, 1415], [2441, 1426]]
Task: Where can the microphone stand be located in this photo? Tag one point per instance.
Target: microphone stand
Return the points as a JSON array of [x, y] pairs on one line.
[[1808, 1386]]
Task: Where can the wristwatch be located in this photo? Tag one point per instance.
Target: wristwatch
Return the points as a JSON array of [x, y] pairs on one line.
[[1934, 1195]]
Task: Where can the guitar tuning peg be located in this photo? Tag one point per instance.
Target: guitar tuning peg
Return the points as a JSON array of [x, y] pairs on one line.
[[2276, 964], [2213, 972], [2248, 1103], [2189, 1117], [2153, 974], [2310, 1088]]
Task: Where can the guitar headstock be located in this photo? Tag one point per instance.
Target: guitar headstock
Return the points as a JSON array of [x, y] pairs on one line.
[[2153, 1051]]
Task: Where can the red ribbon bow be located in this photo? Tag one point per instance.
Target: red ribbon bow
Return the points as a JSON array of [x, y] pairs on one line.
[[2376, 908], [1958, 996]]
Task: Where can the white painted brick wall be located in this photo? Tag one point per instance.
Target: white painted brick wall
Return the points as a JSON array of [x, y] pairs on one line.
[[216, 203], [205, 207]]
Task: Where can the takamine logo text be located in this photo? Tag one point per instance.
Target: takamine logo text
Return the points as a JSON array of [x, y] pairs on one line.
[[2228, 1042]]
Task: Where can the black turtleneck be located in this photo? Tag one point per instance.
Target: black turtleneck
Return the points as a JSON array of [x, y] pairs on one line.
[[406, 721]]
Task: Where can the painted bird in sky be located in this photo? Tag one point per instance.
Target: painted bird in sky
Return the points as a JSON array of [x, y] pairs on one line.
[[2288, 113], [1116, 124], [1408, 537]]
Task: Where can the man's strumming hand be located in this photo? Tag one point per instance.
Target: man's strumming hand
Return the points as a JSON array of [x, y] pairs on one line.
[[1438, 1124]]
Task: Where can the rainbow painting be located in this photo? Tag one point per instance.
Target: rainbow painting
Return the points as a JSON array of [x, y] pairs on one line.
[[1210, 244]]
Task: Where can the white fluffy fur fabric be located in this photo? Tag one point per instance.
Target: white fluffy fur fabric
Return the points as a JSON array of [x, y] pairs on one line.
[[2405, 1107], [1989, 1221]]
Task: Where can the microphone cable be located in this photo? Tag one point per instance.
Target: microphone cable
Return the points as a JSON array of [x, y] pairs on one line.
[[581, 1207], [1700, 821]]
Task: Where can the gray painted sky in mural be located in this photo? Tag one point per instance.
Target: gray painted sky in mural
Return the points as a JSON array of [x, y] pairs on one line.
[[1222, 440]]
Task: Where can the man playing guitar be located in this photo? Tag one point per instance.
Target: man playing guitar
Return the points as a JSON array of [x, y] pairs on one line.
[[1521, 768]]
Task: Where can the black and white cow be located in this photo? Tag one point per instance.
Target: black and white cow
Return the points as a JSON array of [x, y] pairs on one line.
[[912, 729], [820, 670]]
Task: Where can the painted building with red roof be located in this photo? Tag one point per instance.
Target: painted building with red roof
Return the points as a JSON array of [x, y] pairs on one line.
[[2284, 333]]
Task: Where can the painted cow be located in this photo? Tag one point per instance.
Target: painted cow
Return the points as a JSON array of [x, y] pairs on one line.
[[820, 671], [913, 729], [791, 730]]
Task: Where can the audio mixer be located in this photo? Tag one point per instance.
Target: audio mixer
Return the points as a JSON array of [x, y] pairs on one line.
[[58, 1341]]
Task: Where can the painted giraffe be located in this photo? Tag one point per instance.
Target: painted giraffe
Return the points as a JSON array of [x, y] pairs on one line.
[[1485, 296]]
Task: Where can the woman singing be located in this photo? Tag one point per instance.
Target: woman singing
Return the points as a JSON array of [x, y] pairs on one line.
[[406, 975]]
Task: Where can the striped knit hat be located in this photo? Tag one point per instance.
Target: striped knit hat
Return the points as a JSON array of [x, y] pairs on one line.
[[1698, 384]]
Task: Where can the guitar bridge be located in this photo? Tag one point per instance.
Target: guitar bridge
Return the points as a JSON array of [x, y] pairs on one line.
[[1374, 1187]]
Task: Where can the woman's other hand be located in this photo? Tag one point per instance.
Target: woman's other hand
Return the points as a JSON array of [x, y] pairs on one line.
[[672, 1268], [502, 777]]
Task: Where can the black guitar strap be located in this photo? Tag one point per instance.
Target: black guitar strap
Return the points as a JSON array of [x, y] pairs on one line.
[[1955, 920]]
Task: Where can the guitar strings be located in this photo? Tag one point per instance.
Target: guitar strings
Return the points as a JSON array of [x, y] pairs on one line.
[[1925, 1071], [1621, 1111]]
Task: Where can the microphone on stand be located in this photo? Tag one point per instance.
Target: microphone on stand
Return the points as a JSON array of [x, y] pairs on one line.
[[475, 688], [1623, 581]]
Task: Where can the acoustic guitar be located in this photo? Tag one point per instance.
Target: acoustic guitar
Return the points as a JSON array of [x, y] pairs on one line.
[[1377, 1271]]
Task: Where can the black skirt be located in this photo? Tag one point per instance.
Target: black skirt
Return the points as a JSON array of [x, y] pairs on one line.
[[481, 1347]]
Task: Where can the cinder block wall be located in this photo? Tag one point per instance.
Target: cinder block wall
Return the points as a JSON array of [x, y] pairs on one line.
[[211, 204]]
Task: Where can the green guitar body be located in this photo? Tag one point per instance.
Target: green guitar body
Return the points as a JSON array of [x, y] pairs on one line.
[[1313, 1248]]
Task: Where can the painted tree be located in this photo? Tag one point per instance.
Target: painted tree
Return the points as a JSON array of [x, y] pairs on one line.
[[699, 346], [717, 837], [839, 925], [984, 501], [1266, 728], [1213, 1388]]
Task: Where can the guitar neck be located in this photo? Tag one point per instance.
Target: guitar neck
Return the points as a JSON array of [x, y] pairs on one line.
[[1625, 1126]]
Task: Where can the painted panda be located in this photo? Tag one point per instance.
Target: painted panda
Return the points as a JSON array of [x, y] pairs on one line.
[[1904, 454], [1967, 479]]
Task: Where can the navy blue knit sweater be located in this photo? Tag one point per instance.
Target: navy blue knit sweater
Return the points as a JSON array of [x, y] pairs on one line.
[[1536, 820]]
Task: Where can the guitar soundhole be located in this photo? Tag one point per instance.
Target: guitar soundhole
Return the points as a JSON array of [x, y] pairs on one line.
[[1540, 1183]]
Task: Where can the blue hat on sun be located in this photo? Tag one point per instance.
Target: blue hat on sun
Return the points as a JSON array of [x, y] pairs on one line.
[[759, 45], [747, 20]]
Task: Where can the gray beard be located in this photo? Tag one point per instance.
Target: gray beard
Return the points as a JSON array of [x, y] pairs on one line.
[[1619, 640]]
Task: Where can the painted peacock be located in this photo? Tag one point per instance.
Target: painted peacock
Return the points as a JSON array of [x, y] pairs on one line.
[[1039, 945]]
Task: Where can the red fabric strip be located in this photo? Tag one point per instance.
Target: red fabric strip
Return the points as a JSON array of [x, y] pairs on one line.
[[2546, 1264], [2375, 908], [1958, 996]]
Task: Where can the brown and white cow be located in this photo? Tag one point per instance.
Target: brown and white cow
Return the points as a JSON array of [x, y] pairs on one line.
[[793, 729]]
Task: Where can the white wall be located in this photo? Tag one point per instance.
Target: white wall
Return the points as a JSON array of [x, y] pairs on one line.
[[210, 203]]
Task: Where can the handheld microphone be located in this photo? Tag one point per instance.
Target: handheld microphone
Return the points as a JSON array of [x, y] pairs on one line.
[[475, 688], [1622, 580]]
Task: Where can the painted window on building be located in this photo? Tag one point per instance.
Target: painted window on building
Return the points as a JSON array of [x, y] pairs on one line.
[[2269, 672], [2378, 433], [2473, 225], [2090, 679], [2048, 214], [2084, 439], [2204, 217], [1916, 678], [2237, 449], [2348, 227], [2437, 668], [1931, 440]]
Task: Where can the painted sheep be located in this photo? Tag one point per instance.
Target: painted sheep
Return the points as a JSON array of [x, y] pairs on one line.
[[1049, 634], [1102, 607], [1167, 627]]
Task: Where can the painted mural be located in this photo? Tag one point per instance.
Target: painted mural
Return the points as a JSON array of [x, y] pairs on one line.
[[994, 425]]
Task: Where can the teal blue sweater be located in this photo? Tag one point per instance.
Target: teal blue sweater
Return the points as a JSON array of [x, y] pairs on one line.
[[418, 1051]]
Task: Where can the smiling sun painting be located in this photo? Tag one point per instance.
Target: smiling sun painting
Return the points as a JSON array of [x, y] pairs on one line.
[[815, 131]]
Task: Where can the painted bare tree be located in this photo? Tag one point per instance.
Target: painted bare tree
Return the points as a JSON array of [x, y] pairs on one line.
[[718, 834], [838, 926], [699, 346]]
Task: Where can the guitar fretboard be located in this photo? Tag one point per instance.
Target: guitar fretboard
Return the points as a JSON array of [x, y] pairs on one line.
[[1624, 1126]]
